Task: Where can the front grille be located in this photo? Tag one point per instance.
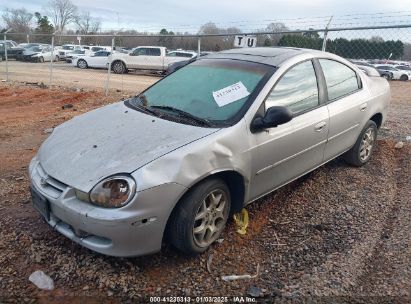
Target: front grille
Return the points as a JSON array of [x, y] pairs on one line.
[[46, 183], [61, 53]]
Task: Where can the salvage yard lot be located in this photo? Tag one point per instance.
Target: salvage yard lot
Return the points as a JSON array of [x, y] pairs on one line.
[[336, 232], [66, 74]]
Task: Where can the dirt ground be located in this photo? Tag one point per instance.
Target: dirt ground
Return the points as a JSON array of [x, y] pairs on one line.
[[339, 234], [70, 76]]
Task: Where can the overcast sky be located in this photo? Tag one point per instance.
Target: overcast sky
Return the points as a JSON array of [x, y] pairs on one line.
[[188, 15]]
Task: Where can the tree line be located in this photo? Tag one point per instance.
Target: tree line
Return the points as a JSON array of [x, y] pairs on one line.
[[373, 48], [59, 14]]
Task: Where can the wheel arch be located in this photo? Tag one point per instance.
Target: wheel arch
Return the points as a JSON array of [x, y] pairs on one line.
[[377, 118], [82, 59], [235, 182]]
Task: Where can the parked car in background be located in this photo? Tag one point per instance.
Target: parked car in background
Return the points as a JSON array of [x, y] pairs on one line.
[[96, 60], [404, 68], [93, 48], [396, 73], [13, 50], [143, 58], [75, 53], [174, 162], [186, 54], [40, 53], [179, 64], [66, 49], [369, 69]]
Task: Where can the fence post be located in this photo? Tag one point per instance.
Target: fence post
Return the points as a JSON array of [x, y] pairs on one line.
[[109, 66], [5, 56], [51, 60], [325, 35], [198, 46]]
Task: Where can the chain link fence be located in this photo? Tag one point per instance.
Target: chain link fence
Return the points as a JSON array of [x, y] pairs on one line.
[[57, 58]]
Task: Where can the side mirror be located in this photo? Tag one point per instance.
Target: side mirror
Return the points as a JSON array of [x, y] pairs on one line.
[[273, 117]]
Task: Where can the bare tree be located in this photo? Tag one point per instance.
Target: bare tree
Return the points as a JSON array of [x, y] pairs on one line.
[[61, 12], [19, 20], [274, 27], [87, 24], [217, 43]]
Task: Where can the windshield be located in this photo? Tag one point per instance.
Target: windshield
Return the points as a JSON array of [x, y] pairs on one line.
[[67, 47], [212, 89], [34, 49]]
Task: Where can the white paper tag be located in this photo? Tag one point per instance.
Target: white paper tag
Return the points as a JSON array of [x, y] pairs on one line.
[[230, 94]]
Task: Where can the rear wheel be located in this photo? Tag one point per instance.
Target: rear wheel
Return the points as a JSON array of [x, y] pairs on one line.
[[361, 152], [200, 217], [82, 64], [119, 67], [386, 76], [404, 77]]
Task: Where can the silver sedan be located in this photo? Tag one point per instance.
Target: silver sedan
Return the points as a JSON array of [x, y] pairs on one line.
[[173, 163]]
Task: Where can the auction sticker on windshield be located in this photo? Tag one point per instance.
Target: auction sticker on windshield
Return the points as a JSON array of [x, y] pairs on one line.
[[230, 94]]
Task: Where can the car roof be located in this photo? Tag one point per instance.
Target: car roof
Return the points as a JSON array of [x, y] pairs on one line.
[[267, 55]]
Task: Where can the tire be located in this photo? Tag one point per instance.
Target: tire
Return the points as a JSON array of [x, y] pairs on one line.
[[119, 67], [210, 203], [41, 59], [404, 77], [361, 152], [386, 76], [57, 58], [82, 64]]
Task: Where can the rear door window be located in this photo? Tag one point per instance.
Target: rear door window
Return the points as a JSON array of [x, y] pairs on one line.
[[155, 52], [340, 79]]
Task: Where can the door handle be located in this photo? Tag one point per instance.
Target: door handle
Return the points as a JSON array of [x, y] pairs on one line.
[[363, 107], [320, 126]]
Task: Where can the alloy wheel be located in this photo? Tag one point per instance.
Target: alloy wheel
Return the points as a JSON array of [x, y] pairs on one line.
[[367, 144], [82, 64], [210, 218]]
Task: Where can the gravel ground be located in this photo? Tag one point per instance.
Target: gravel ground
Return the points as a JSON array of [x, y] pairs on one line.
[[339, 234]]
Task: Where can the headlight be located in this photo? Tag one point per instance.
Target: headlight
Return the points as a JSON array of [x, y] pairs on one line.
[[113, 192]]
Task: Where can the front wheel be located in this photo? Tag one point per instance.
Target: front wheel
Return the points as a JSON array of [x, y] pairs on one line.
[[118, 67], [200, 217], [41, 59], [361, 152], [404, 77], [82, 64]]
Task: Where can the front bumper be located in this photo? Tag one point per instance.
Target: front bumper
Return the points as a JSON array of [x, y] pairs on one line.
[[136, 229]]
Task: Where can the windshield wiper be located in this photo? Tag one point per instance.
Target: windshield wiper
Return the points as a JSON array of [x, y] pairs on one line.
[[184, 114], [141, 105]]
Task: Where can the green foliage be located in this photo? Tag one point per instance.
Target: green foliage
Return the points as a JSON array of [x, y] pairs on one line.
[[354, 48], [43, 24], [166, 41], [43, 27], [301, 41]]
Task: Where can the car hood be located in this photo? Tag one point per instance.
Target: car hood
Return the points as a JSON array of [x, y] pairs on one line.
[[110, 140]]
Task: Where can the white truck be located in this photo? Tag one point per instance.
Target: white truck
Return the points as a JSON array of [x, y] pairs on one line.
[[143, 58]]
